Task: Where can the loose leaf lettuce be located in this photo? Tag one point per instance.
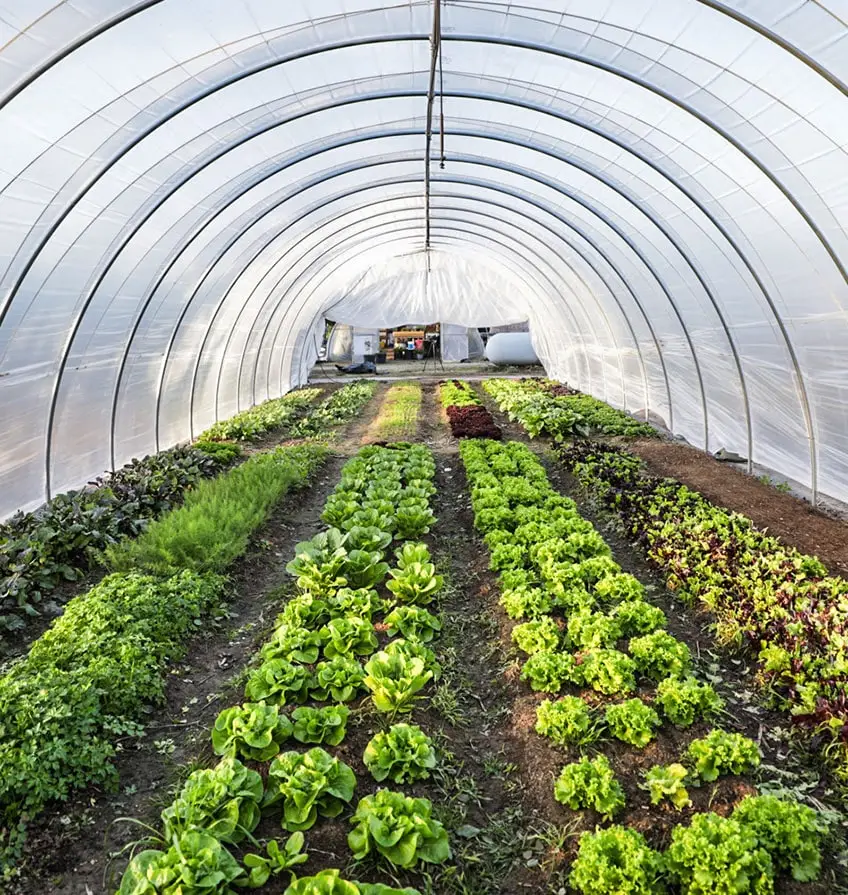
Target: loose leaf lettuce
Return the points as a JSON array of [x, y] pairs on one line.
[[253, 730], [308, 785], [222, 801], [400, 828], [590, 784], [404, 754], [195, 864], [617, 861]]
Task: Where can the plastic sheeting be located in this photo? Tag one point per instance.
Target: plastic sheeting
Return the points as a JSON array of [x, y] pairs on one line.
[[659, 186]]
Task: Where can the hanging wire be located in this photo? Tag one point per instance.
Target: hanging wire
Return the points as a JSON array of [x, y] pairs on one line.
[[435, 56], [441, 103]]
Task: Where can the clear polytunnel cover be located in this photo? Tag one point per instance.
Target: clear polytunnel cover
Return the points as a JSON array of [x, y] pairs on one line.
[[188, 189]]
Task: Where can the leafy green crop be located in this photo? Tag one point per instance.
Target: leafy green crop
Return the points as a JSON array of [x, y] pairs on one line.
[[195, 864], [617, 861], [636, 617], [368, 538], [414, 518], [60, 541], [593, 630], [85, 681], [279, 681], [721, 753], [412, 649], [526, 602], [590, 784], [568, 721], [395, 679], [790, 832], [222, 801], [609, 671], [617, 587], [719, 856], [324, 725], [305, 611], [538, 412], [415, 580], [275, 861], [400, 828], [328, 882], [340, 407], [403, 754], [458, 394], [293, 644], [253, 730], [666, 782], [319, 564], [214, 524], [362, 602], [758, 590], [632, 722], [536, 636], [256, 421], [548, 671], [309, 784], [365, 568], [659, 655], [685, 700], [413, 623], [340, 679], [350, 636]]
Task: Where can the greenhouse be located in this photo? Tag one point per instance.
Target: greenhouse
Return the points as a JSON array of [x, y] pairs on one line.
[[424, 426]]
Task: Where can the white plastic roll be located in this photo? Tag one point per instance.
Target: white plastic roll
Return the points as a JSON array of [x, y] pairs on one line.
[[511, 348]]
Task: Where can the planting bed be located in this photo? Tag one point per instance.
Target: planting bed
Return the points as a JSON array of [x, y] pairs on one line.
[[466, 415], [533, 735], [793, 520], [397, 419]]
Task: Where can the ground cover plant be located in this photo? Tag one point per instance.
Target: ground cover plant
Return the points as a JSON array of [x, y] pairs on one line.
[[266, 417], [592, 632], [323, 662], [770, 599], [398, 416], [467, 416]]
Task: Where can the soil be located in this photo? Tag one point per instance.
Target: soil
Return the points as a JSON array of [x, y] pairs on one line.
[[795, 521], [494, 785]]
